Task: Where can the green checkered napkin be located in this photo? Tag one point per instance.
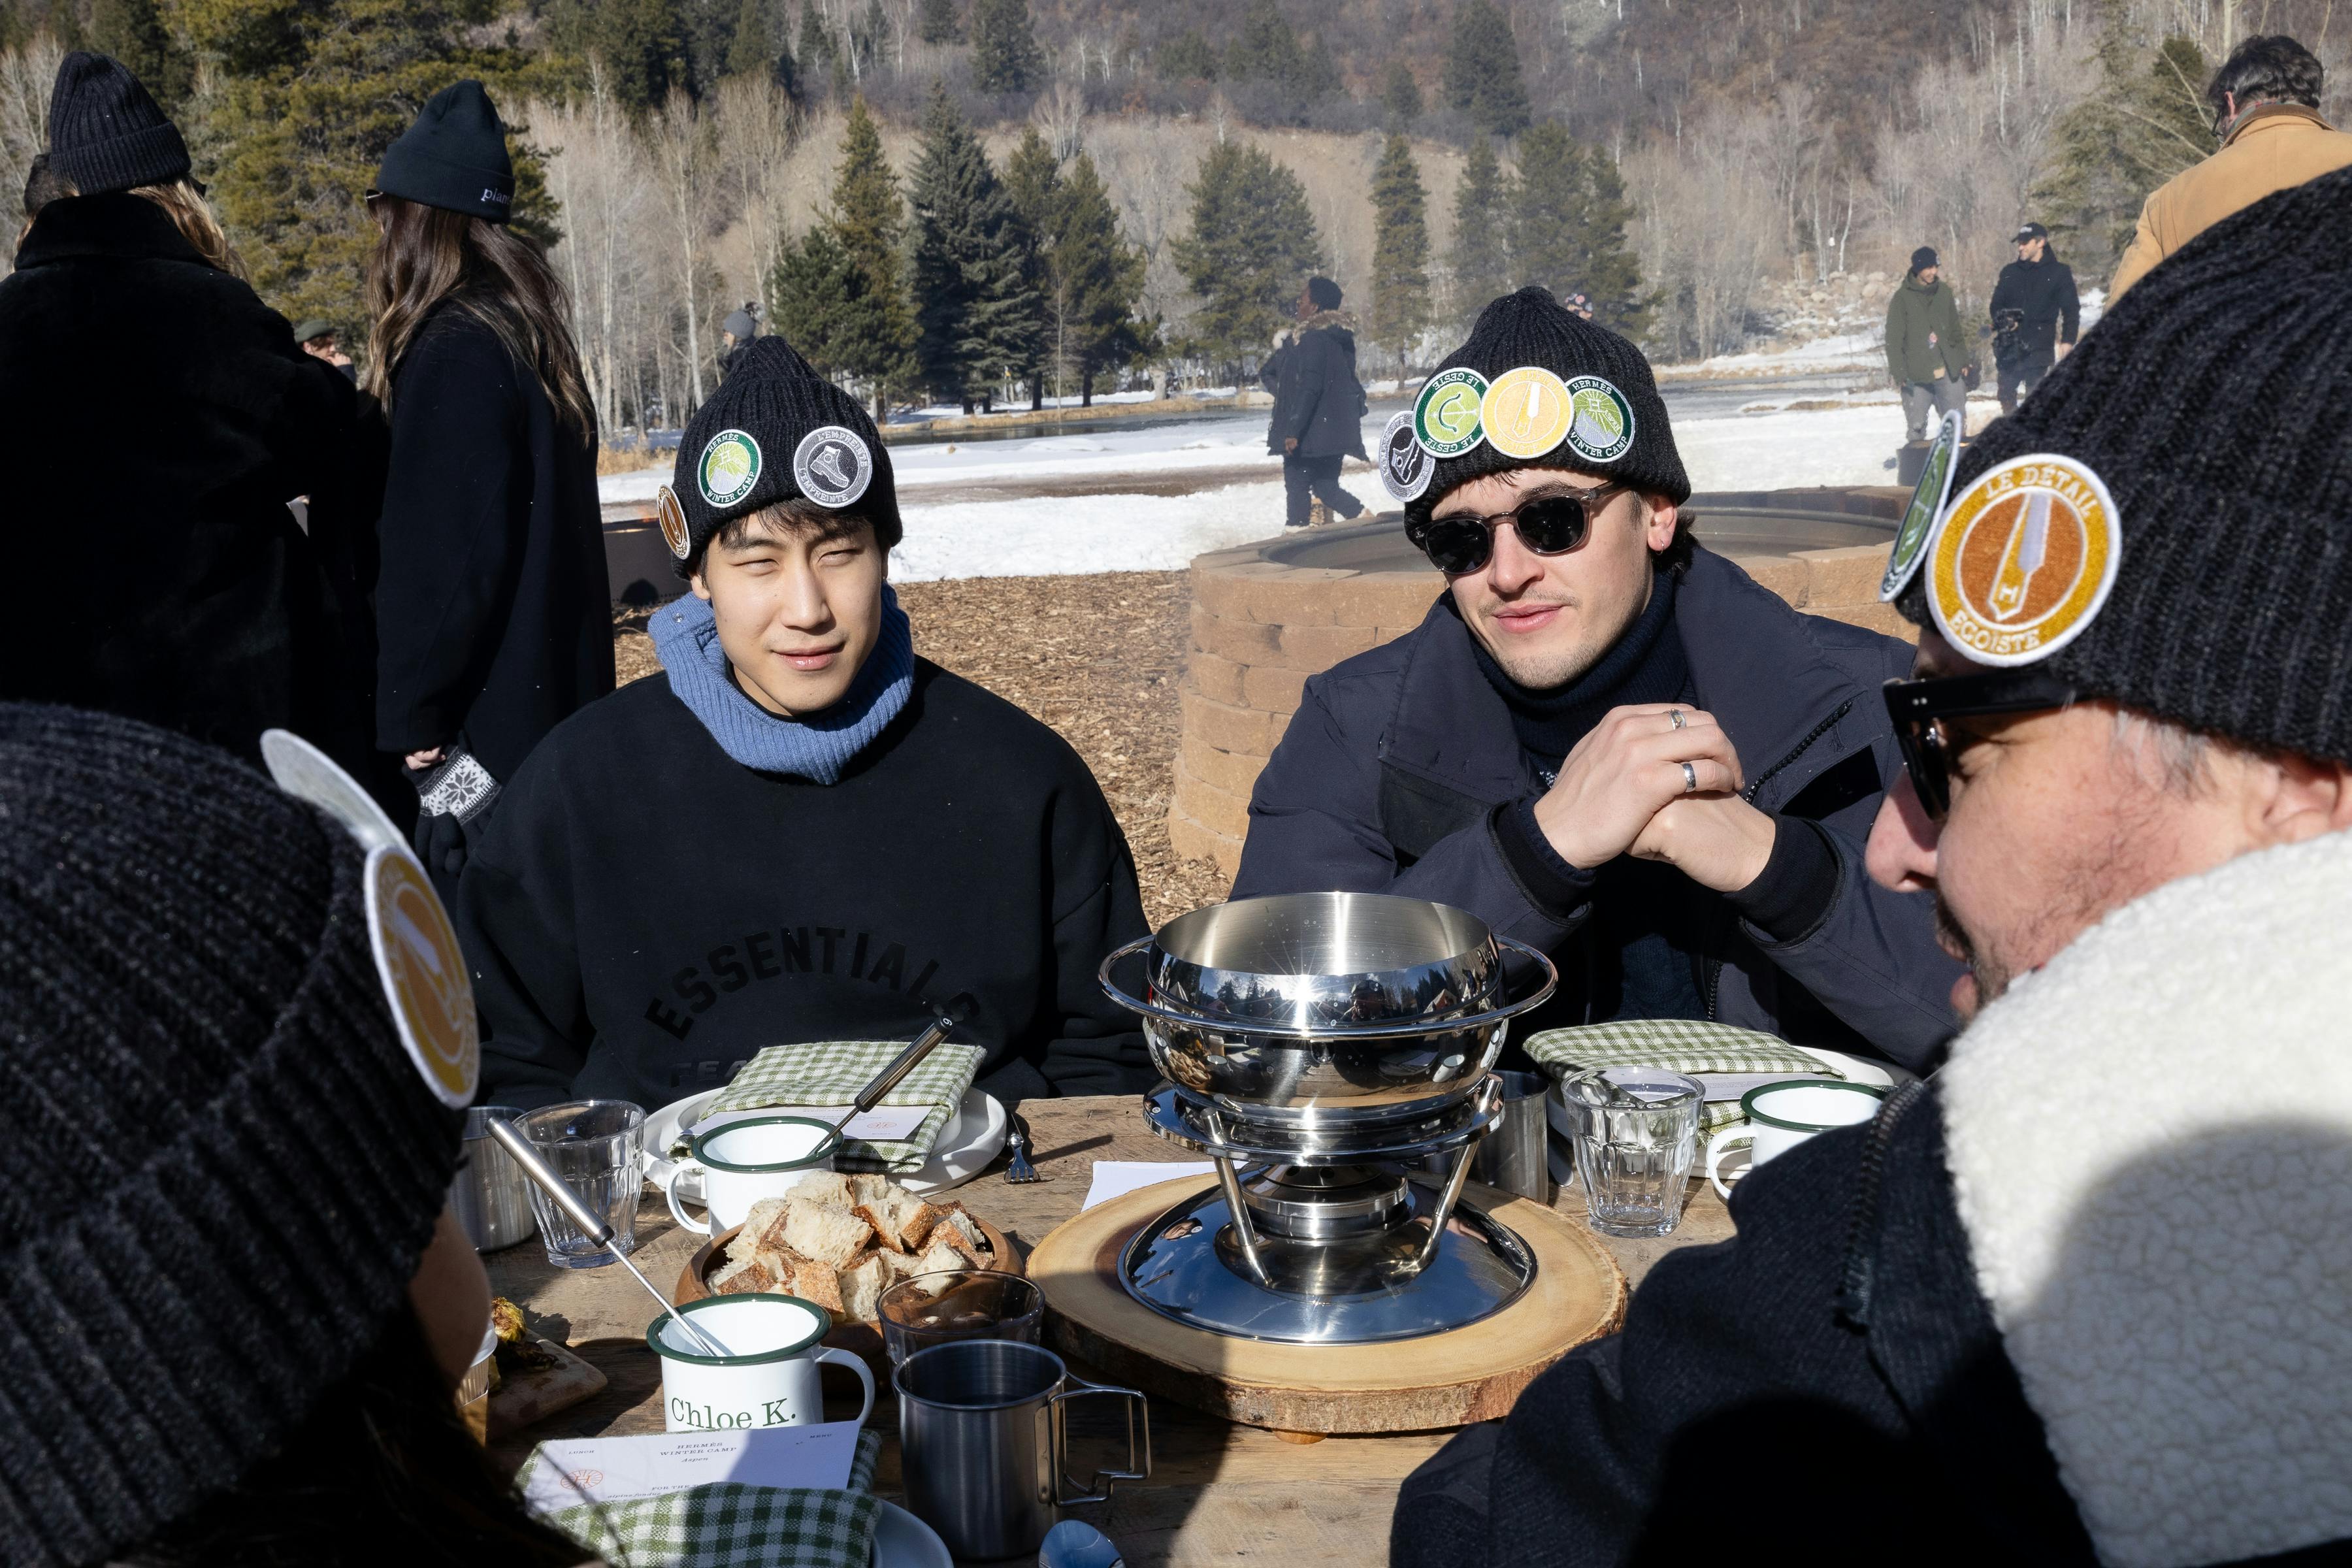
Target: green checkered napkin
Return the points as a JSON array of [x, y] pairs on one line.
[[831, 1072], [1686, 1045], [729, 1525]]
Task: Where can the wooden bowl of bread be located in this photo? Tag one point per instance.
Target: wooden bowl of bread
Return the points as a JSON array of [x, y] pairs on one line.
[[841, 1240]]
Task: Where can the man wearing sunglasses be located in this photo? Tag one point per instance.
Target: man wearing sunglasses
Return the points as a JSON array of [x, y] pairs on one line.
[[2080, 1297], [1604, 739]]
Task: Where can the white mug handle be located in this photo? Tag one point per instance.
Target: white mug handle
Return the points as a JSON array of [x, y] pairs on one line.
[[856, 1364], [703, 1226], [1714, 1150]]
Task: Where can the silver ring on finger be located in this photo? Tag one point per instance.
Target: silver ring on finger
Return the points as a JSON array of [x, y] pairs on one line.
[[1690, 778], [1675, 716]]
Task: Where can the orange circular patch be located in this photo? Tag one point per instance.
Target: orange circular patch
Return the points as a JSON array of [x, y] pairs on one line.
[[2024, 560], [424, 975]]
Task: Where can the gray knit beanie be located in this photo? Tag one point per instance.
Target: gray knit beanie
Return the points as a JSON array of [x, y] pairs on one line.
[[222, 1166], [775, 431], [1531, 329], [2213, 405]]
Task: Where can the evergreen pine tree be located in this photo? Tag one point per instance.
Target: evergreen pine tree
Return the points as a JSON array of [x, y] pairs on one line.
[[1569, 228], [1004, 53], [1319, 72], [1482, 70], [1400, 94], [1098, 281], [133, 32], [1251, 246], [709, 29], [868, 223], [818, 289], [65, 25], [751, 51], [642, 45], [939, 23], [1401, 308], [2144, 124], [817, 54], [1265, 49], [976, 314], [1481, 261], [1033, 179], [1187, 57]]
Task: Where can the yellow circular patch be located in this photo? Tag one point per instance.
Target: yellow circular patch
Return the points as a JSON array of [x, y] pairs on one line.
[[1526, 412], [424, 975], [2024, 560], [672, 517]]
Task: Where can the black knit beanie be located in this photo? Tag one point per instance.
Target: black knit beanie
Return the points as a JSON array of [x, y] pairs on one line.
[[2212, 402], [1923, 258], [106, 133], [775, 431], [222, 1167], [454, 157], [1532, 328]]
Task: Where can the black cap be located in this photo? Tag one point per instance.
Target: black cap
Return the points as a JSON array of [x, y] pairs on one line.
[[1923, 257], [2031, 231], [1531, 329], [106, 131], [454, 157], [777, 431], [2212, 402]]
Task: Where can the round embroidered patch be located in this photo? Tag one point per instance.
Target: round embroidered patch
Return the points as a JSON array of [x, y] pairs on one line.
[[729, 468], [306, 772], [672, 518], [832, 466], [1600, 421], [424, 975], [1406, 466], [1525, 412], [1445, 414], [1927, 497], [2024, 560]]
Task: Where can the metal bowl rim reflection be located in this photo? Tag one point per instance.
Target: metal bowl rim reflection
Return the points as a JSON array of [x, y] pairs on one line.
[[1402, 1028]]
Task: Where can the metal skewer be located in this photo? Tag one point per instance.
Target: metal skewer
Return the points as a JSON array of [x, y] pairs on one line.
[[591, 1224], [945, 1016]]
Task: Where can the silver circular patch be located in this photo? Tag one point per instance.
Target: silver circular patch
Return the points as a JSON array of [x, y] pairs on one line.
[[832, 466], [1406, 467]]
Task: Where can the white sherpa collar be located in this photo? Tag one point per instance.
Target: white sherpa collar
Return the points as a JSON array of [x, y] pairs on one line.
[[2151, 1145]]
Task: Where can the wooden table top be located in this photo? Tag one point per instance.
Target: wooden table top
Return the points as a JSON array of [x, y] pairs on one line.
[[1217, 1491]]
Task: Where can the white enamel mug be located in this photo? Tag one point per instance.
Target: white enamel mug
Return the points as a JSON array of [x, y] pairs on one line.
[[744, 1161], [769, 1376], [1782, 1115]]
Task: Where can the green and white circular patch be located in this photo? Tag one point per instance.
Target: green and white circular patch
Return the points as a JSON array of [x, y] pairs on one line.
[[1446, 416], [1927, 499], [729, 468], [1600, 422]]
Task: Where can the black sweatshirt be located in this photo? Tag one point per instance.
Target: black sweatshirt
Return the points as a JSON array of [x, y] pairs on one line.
[[644, 913]]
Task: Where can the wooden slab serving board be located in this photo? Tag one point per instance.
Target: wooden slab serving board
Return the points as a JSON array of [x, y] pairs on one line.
[[1466, 1374], [519, 1401]]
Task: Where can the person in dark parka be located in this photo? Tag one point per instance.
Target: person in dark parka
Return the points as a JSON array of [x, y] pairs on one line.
[[2069, 1302], [1318, 405], [2036, 292], [158, 419], [494, 611]]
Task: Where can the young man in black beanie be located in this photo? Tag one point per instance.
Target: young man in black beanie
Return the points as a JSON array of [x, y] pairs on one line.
[[2079, 1298], [802, 831], [1926, 355], [1604, 739]]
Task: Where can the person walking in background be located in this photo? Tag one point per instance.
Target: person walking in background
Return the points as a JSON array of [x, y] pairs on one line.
[[2038, 290], [159, 418], [318, 339], [740, 328], [495, 613], [1923, 345], [1318, 405], [2266, 104]]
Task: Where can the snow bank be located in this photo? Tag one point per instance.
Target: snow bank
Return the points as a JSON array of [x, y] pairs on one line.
[[1074, 535]]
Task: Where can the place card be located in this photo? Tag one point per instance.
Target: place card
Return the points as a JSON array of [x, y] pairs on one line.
[[570, 1471], [883, 1124]]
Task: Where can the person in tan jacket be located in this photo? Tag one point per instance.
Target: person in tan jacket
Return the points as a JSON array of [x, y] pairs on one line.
[[2265, 102]]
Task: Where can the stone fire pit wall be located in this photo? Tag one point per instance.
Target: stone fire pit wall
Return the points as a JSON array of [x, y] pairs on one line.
[[1260, 628]]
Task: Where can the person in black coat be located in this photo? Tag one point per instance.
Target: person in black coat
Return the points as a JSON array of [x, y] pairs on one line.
[[1318, 405], [158, 419], [494, 612], [2035, 316]]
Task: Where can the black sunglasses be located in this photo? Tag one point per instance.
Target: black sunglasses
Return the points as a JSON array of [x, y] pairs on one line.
[[1919, 707], [1549, 525]]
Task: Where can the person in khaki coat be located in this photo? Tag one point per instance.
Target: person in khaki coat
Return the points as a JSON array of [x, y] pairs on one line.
[[2266, 102]]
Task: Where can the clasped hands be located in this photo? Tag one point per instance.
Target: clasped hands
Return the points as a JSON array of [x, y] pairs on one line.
[[1624, 791]]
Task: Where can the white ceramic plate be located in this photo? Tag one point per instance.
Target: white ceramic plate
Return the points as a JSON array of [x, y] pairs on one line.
[[967, 1144], [902, 1540]]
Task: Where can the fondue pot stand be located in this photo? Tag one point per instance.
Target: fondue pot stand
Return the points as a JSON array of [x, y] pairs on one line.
[[1318, 1047]]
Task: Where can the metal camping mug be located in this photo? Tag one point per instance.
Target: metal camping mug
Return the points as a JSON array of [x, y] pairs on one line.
[[1512, 1155], [489, 1191], [983, 1438]]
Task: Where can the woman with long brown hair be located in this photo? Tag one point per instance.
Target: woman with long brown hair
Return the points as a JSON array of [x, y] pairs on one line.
[[494, 616]]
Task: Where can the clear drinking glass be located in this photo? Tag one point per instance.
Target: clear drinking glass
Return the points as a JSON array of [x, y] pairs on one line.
[[926, 1310], [597, 1147], [1637, 1134]]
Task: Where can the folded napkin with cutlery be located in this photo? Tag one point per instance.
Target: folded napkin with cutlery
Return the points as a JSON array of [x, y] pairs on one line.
[[1728, 1061], [831, 1072], [729, 1525]]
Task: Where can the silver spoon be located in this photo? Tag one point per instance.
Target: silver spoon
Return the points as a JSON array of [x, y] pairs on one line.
[[591, 1224]]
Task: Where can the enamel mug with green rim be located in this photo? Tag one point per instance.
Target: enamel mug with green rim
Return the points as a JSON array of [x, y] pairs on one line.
[[769, 1376], [745, 1162], [1779, 1116]]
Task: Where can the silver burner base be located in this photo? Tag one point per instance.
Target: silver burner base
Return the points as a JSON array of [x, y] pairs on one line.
[[1187, 1266]]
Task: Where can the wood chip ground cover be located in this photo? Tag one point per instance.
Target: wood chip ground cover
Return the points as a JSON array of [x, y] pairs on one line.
[[1096, 658]]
